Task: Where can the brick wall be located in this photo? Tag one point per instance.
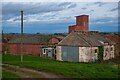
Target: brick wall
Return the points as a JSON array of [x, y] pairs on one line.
[[82, 24]]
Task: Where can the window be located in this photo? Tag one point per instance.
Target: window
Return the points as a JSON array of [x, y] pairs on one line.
[[49, 50], [111, 49], [44, 51], [106, 49], [55, 50], [95, 50]]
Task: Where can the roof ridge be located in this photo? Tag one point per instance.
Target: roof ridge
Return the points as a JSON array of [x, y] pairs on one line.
[[65, 38], [84, 40]]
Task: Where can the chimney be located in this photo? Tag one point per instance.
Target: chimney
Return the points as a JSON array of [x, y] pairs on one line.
[[83, 22]]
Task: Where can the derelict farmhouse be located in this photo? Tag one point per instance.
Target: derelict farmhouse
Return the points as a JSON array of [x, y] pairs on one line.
[[79, 45]]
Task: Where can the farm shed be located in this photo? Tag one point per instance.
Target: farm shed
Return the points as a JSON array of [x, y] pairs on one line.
[[5, 40], [84, 47], [31, 43], [50, 49], [35, 44], [3, 43], [116, 39]]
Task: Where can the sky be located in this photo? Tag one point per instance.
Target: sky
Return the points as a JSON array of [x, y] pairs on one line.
[[55, 17]]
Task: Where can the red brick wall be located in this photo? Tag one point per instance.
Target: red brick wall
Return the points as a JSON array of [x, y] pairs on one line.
[[27, 49], [53, 41], [71, 29], [79, 28], [82, 23], [5, 47]]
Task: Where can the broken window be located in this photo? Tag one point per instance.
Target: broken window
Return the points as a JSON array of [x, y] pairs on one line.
[[111, 48], [95, 50], [44, 51]]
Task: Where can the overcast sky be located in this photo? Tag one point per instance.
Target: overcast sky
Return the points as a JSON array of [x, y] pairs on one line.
[[55, 17]]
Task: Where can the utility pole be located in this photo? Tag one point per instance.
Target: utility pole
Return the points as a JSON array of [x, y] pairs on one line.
[[21, 36]]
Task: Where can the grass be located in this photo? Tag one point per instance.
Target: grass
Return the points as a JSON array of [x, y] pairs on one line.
[[6, 74], [67, 69], [21, 71]]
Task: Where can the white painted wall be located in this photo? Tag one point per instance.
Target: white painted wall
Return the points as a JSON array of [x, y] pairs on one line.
[[87, 54], [46, 49], [58, 54], [106, 52], [112, 51]]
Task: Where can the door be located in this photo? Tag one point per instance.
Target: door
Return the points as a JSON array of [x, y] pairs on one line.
[[70, 53], [49, 53]]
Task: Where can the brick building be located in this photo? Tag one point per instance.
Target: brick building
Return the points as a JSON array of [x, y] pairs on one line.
[[34, 44], [78, 47], [82, 22], [116, 39], [81, 47]]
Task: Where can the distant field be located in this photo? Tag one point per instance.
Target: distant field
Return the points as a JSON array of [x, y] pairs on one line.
[[67, 69]]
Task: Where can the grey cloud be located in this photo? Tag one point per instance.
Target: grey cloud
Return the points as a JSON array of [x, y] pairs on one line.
[[67, 5], [10, 10], [72, 5], [114, 9], [64, 4], [84, 8], [92, 10], [100, 3], [104, 20]]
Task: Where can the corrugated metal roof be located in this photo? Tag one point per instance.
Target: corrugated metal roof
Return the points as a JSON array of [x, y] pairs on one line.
[[82, 39]]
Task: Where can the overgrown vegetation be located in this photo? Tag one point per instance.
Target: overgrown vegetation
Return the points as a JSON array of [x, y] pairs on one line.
[[100, 54], [67, 69]]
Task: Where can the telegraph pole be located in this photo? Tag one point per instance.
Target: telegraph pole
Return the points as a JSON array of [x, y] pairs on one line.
[[21, 36]]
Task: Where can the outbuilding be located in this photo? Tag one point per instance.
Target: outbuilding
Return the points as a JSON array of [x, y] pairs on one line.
[[42, 45], [30, 44], [84, 47]]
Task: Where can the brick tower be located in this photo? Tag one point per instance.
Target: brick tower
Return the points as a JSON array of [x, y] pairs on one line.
[[82, 23]]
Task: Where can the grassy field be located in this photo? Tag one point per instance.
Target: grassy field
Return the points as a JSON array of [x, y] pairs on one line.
[[8, 75], [67, 69]]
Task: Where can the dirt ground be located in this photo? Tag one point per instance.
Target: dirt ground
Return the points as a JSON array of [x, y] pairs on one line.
[[23, 72]]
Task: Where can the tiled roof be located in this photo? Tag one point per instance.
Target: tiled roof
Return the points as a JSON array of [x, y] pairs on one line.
[[31, 39], [114, 38], [82, 39]]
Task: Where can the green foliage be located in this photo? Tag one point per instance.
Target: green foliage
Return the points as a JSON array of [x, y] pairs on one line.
[[67, 69], [100, 54]]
